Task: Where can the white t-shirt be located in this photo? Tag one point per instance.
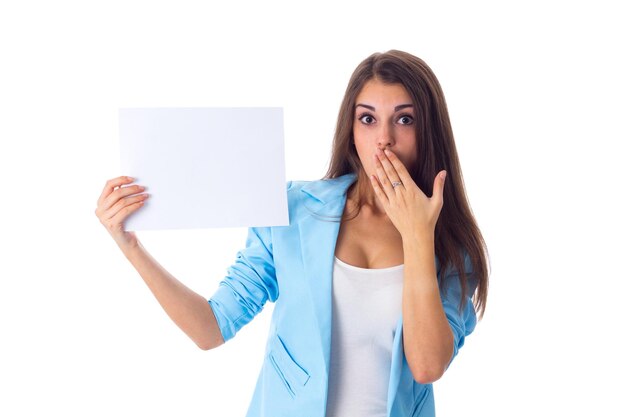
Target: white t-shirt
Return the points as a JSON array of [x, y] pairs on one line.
[[367, 304]]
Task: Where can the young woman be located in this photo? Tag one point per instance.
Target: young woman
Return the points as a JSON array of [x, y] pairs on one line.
[[379, 276]]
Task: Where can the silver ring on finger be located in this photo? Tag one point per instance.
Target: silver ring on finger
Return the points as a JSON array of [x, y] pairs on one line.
[[396, 183]]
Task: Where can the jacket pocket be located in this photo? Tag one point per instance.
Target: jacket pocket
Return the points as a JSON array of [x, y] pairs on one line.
[[292, 374]]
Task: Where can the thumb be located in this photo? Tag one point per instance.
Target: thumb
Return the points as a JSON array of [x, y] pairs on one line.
[[440, 180]]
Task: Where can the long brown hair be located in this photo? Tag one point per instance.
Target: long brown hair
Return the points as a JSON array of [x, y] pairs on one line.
[[456, 228]]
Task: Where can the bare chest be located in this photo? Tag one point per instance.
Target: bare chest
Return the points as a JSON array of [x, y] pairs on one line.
[[367, 243]]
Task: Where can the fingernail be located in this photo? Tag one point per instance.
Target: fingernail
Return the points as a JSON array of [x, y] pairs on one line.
[[130, 179], [443, 175]]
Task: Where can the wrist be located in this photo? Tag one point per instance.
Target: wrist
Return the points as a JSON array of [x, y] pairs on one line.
[[131, 250], [419, 240]]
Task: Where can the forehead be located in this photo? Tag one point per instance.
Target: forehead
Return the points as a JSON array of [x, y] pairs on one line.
[[378, 94]]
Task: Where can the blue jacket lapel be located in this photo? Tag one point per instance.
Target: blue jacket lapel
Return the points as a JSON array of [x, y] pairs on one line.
[[318, 238]]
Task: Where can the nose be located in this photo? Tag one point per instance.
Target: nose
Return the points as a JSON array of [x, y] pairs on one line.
[[385, 137]]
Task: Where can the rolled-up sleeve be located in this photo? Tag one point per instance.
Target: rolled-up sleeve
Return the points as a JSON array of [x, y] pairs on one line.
[[461, 322], [249, 282]]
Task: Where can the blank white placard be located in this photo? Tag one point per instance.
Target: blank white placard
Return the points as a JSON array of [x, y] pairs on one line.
[[205, 166]]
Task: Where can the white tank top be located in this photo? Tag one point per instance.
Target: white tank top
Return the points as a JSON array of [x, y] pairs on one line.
[[367, 304]]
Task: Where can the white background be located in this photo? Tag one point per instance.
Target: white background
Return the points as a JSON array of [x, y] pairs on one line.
[[536, 94]]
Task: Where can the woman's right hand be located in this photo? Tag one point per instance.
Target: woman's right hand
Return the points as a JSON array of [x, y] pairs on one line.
[[115, 204]]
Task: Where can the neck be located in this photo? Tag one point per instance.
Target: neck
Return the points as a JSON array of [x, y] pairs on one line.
[[363, 191]]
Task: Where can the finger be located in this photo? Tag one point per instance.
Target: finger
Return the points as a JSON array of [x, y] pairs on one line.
[[400, 169], [438, 185], [388, 166], [118, 219], [110, 185], [380, 193], [120, 193], [121, 206], [383, 179]]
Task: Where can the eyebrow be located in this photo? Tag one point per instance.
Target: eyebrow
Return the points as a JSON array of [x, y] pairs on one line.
[[397, 108]]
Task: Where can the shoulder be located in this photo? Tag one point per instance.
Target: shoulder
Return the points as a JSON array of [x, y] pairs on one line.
[[324, 190], [297, 197], [314, 194], [296, 185]]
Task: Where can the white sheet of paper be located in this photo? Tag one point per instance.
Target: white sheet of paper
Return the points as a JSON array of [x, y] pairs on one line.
[[205, 166]]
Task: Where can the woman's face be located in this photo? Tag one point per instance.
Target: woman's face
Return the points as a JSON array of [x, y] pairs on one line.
[[384, 116]]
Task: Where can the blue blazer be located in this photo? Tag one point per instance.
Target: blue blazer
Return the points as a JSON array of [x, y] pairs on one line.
[[292, 266]]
